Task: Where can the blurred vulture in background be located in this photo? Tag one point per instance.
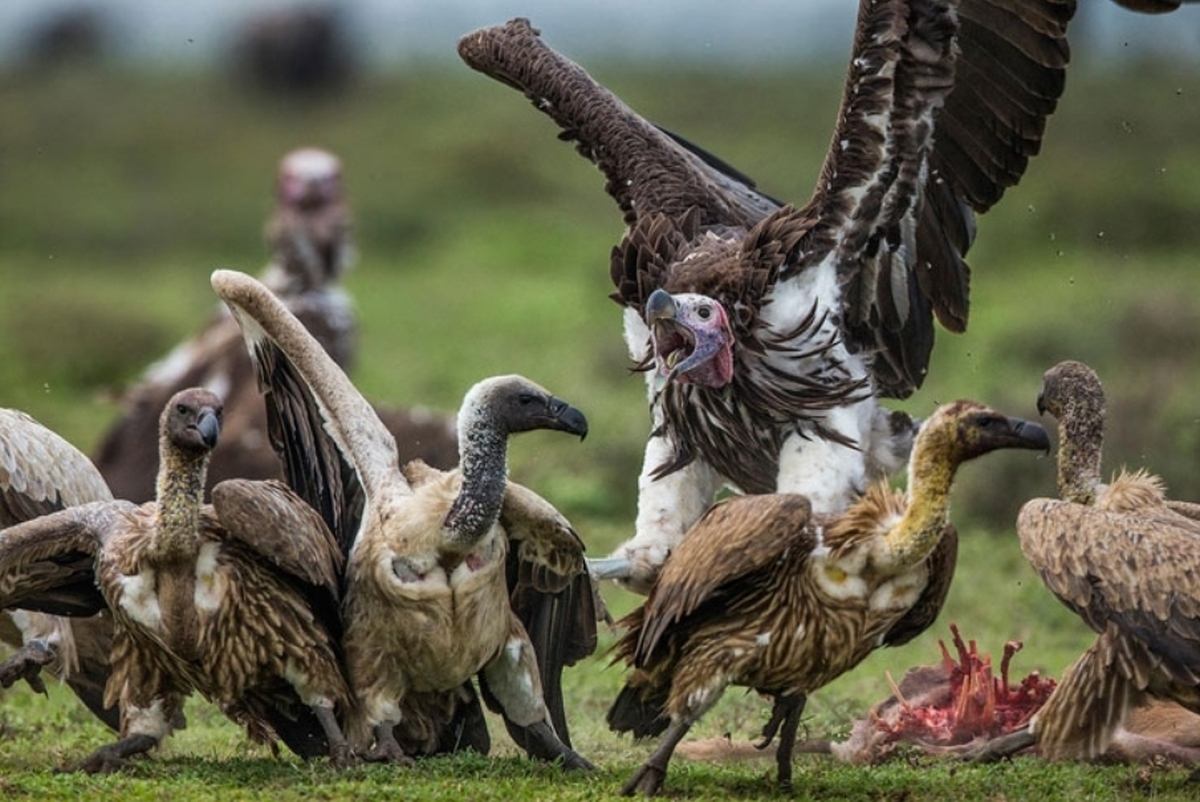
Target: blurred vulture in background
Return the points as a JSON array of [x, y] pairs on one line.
[[1124, 559], [41, 473], [311, 250], [449, 575], [238, 599], [769, 332]]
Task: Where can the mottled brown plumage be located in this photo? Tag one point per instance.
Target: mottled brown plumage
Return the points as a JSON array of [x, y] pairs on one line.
[[41, 473], [449, 574], [766, 594], [768, 331], [309, 237], [1122, 558], [237, 599]]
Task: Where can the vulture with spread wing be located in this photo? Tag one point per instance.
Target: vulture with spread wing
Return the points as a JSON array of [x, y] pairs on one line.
[[1126, 560], [309, 236], [41, 473], [769, 331], [449, 575], [237, 599]]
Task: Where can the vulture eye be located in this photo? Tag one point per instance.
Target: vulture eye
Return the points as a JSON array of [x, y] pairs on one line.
[[181, 409], [705, 312], [525, 399]]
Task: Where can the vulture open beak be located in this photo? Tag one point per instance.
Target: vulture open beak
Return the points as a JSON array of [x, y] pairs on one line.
[[692, 338]]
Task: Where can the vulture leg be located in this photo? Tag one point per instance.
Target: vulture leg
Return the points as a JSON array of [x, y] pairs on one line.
[[387, 749], [27, 664], [787, 711], [1002, 747], [114, 756], [512, 679], [340, 753], [649, 778]]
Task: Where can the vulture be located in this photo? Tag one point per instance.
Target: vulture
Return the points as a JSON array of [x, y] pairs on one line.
[[309, 239], [767, 593], [449, 575], [1124, 559], [40, 473], [768, 332], [237, 599]]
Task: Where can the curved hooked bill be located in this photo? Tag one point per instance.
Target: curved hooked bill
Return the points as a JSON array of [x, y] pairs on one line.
[[689, 333]]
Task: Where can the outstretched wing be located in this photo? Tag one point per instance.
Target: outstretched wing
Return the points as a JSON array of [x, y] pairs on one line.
[[649, 171], [550, 589], [736, 538], [941, 112], [47, 564], [337, 454], [1140, 581], [40, 472]]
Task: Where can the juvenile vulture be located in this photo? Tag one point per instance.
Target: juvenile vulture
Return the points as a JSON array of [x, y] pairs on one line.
[[449, 575], [1125, 560], [237, 599], [769, 332], [41, 473], [310, 245], [766, 593]]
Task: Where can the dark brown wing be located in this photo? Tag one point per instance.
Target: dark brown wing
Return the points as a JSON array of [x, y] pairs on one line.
[[648, 171], [735, 538], [269, 518], [942, 562], [550, 589], [47, 564], [1139, 571]]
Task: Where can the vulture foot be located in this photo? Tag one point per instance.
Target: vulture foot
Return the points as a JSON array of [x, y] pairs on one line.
[[387, 749], [115, 756], [542, 743], [648, 780], [27, 664], [1000, 748], [342, 756]]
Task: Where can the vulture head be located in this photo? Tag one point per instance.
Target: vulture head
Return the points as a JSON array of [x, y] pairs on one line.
[[966, 429], [1072, 390], [512, 404], [693, 341], [308, 179], [191, 421]]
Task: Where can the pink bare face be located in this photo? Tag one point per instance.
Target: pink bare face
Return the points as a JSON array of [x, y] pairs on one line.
[[693, 342], [309, 178]]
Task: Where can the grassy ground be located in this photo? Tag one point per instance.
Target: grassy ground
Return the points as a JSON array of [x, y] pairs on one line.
[[484, 250]]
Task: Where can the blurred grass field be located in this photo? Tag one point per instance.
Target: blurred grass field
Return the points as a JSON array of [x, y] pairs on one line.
[[484, 249]]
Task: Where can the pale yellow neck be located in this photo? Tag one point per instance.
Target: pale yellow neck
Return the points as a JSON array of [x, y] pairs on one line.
[[180, 491]]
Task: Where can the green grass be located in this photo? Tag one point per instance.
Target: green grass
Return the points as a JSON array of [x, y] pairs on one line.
[[484, 249]]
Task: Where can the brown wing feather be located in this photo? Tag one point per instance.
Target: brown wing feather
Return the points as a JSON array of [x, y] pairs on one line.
[[40, 472], [736, 537], [1141, 580], [48, 563], [550, 590], [649, 171], [280, 528]]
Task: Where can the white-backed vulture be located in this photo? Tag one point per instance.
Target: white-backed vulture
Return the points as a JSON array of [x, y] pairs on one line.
[[768, 332], [764, 592], [237, 599], [449, 575], [1126, 561], [308, 235], [40, 473]]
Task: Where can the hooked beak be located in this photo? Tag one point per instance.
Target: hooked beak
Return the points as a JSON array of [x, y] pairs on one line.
[[567, 418], [1041, 402], [209, 427], [1031, 435]]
